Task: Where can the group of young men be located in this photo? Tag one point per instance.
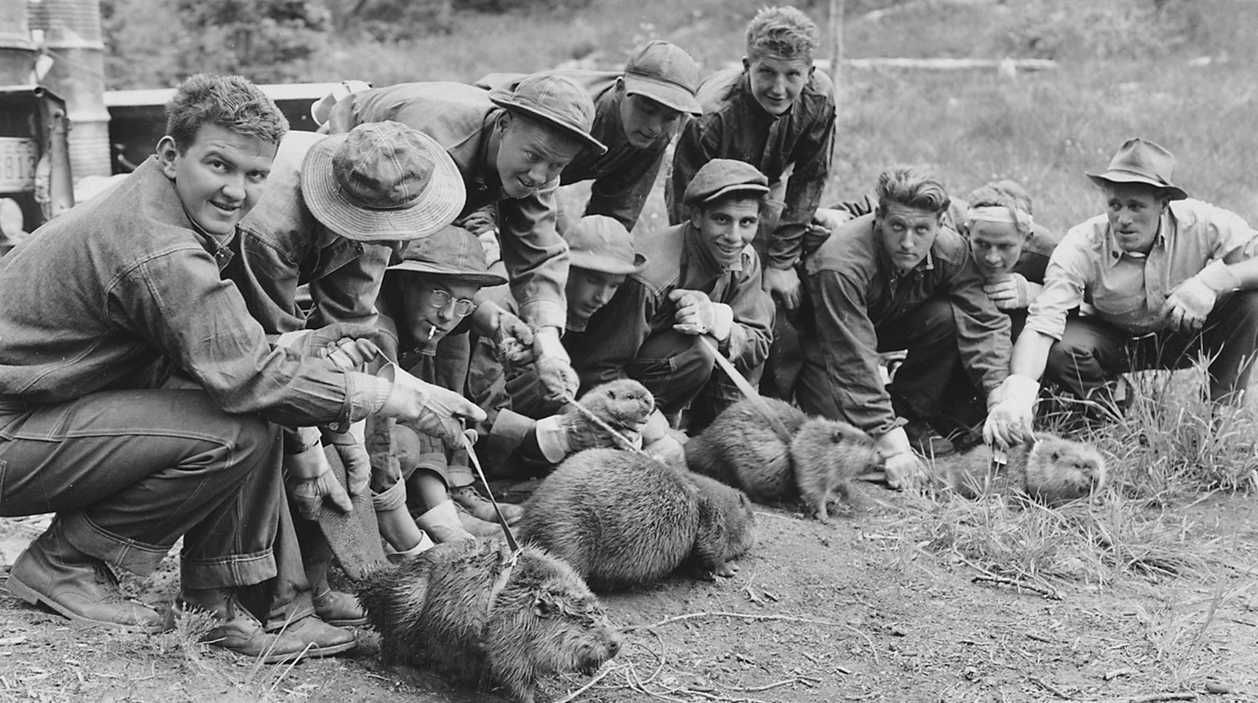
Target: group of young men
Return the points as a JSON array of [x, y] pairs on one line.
[[162, 375]]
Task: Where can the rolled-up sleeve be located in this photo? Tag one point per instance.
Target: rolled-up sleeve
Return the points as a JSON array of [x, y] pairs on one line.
[[177, 300], [535, 256], [849, 350], [1065, 280]]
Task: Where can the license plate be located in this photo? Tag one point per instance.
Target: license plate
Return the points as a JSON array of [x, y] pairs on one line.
[[17, 164]]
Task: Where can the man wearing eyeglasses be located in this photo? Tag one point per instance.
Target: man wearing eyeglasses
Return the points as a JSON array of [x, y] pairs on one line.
[[425, 298]]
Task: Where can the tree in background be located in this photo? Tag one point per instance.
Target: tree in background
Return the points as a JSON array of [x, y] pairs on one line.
[[265, 40]]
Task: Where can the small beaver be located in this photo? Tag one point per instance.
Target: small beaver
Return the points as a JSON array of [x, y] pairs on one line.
[[742, 448], [623, 403], [465, 608], [1049, 469], [622, 520]]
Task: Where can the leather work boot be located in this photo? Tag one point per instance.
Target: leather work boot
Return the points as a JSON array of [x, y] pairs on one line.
[[926, 441], [443, 525], [478, 506], [339, 609], [478, 527], [239, 631], [78, 586]]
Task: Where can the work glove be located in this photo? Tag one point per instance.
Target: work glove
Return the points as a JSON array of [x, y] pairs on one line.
[[1011, 412], [352, 449], [697, 314], [430, 408], [1012, 292], [567, 433], [782, 284], [903, 468], [513, 340], [553, 366], [1187, 306], [349, 345], [309, 479]]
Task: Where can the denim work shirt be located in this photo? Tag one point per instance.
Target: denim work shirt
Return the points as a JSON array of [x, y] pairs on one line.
[[283, 246], [676, 258], [734, 126], [462, 119], [122, 291], [624, 175], [853, 288], [1128, 291]]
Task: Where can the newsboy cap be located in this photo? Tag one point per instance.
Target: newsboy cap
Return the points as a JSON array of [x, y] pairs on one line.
[[720, 177]]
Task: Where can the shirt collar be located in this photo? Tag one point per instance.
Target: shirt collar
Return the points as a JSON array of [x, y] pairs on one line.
[[1114, 254]]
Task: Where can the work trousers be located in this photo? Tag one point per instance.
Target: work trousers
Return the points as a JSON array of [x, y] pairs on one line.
[[129, 472], [1092, 353], [921, 384]]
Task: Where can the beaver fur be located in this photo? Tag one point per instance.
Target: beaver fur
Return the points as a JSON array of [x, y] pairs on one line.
[[465, 609], [622, 520], [1049, 469]]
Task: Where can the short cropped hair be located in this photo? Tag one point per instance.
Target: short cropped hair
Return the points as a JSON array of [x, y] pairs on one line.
[[911, 188], [782, 32], [231, 102]]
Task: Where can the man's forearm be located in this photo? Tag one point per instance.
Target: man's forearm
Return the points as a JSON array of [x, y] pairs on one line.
[[1030, 354]]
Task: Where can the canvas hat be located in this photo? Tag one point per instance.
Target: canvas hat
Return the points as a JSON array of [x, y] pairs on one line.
[[557, 102], [721, 176], [664, 73], [450, 251], [381, 181], [601, 243], [1141, 161]]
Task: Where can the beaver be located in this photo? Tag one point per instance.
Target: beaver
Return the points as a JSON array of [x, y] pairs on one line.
[[622, 519], [742, 448], [1049, 469], [475, 613], [624, 404]]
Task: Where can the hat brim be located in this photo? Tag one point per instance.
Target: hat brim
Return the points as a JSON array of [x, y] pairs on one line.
[[478, 278], [605, 264], [584, 138], [668, 94], [753, 188], [1117, 176], [441, 201]]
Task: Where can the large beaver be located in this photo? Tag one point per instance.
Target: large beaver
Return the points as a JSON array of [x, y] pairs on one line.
[[467, 609], [621, 519], [742, 448], [1049, 469]]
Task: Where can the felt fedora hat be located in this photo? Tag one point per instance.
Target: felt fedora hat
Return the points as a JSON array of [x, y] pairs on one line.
[[1141, 161], [601, 243], [382, 181], [450, 251], [556, 102]]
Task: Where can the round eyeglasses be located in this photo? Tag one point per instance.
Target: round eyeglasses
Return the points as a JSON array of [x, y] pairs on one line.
[[441, 300]]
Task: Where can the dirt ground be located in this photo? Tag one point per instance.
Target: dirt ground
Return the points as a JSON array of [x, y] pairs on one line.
[[856, 611]]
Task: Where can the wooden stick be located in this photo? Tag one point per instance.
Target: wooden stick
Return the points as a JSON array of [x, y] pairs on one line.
[[1050, 688], [1020, 585], [726, 614]]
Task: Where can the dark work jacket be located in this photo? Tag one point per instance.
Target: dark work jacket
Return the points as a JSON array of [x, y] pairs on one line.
[[853, 287]]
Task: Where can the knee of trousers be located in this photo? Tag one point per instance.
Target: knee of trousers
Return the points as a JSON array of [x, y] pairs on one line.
[[1068, 357], [1239, 312], [935, 322], [254, 441]]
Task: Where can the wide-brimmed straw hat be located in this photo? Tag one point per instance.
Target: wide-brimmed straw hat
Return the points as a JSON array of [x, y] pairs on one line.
[[382, 181], [556, 102], [601, 243], [664, 73], [450, 251], [1141, 161]]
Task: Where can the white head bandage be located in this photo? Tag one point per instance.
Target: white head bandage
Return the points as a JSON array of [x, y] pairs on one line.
[[1020, 219]]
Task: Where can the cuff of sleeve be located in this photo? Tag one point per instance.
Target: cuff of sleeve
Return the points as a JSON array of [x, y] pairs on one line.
[[512, 426], [552, 438], [544, 313], [292, 340], [1219, 277]]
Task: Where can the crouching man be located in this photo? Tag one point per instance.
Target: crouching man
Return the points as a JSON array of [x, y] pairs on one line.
[[137, 395], [699, 294], [897, 279], [1168, 278]]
